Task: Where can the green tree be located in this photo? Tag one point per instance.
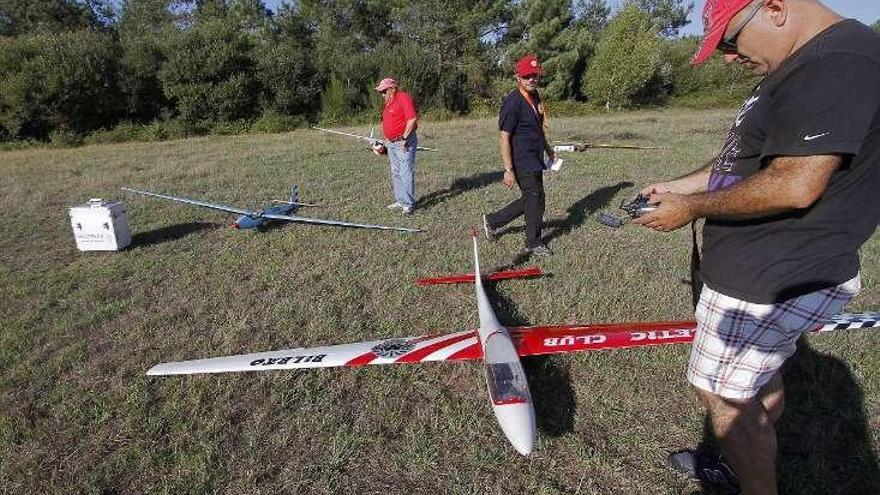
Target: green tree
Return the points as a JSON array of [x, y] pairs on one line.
[[876, 26], [668, 15], [625, 60], [142, 26], [58, 81], [208, 72], [20, 17], [451, 38], [346, 35], [544, 28], [285, 68]]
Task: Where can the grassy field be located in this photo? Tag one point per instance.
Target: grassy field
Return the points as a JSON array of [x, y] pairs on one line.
[[78, 414]]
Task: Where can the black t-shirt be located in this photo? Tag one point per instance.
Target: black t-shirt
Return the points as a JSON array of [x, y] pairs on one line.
[[525, 126], [823, 100]]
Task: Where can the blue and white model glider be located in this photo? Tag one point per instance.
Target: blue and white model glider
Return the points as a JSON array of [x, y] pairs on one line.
[[252, 219]]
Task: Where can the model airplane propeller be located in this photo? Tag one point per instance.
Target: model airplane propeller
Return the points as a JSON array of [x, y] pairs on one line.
[[499, 348], [370, 139], [252, 219]]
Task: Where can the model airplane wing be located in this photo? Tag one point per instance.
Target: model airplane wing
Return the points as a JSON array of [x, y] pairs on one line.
[[370, 139], [213, 206], [463, 346], [293, 218], [583, 146], [387, 351]]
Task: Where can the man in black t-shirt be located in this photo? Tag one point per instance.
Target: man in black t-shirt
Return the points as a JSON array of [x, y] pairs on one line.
[[523, 143], [788, 202]]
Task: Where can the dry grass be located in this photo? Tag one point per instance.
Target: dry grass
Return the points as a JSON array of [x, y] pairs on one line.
[[78, 415]]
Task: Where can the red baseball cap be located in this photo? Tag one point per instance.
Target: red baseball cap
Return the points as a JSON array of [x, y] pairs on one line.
[[528, 65], [386, 83], [716, 16]]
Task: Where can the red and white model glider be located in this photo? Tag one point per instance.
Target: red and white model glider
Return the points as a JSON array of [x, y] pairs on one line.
[[499, 348]]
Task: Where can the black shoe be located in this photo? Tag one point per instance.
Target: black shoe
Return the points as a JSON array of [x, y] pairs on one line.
[[489, 231], [540, 250], [704, 466]]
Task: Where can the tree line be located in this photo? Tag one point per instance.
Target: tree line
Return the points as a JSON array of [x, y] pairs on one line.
[[70, 68]]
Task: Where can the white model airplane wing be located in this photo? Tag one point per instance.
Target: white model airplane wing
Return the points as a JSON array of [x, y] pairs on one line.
[[464, 346], [455, 346], [369, 138], [214, 206], [293, 218]]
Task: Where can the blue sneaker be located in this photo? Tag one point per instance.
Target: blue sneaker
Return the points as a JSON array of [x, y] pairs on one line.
[[704, 466]]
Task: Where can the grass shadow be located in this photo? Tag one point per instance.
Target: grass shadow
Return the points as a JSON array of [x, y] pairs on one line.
[[824, 442], [170, 233], [577, 215], [581, 209], [458, 186], [549, 383]]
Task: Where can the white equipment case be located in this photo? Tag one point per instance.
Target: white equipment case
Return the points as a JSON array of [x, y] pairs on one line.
[[100, 226]]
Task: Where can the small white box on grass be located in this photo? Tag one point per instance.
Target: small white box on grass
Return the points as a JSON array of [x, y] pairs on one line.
[[100, 226]]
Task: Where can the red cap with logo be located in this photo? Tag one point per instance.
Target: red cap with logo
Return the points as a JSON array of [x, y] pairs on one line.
[[528, 65], [716, 16]]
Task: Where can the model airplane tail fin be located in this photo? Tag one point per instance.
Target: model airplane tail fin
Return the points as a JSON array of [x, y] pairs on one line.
[[294, 195]]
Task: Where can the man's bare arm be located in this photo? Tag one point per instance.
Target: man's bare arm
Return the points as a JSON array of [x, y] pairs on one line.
[[507, 159], [788, 183], [691, 183]]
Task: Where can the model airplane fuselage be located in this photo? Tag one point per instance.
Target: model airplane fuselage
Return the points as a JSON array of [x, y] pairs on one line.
[[505, 376], [283, 212]]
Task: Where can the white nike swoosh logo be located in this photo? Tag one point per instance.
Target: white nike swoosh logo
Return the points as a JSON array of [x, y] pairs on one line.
[[815, 136]]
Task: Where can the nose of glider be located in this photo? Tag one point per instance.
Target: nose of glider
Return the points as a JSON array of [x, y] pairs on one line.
[[518, 423]]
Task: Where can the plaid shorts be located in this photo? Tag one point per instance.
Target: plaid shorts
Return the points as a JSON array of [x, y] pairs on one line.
[[739, 345]]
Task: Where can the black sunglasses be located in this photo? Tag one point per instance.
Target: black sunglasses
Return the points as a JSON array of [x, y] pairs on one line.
[[531, 76], [728, 43]]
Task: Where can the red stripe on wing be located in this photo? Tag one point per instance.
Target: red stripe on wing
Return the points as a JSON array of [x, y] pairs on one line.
[[419, 354], [474, 351], [362, 359]]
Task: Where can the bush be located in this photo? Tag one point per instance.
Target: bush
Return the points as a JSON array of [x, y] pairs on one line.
[[335, 108], [625, 61], [270, 123], [63, 81], [711, 84], [287, 76], [209, 73]]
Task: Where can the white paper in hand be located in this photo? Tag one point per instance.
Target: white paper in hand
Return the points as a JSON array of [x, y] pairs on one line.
[[554, 165]]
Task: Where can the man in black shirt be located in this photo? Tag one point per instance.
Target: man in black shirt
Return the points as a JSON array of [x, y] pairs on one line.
[[788, 203], [523, 143]]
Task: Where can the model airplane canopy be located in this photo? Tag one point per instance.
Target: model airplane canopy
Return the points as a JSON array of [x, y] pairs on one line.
[[498, 347], [251, 219]]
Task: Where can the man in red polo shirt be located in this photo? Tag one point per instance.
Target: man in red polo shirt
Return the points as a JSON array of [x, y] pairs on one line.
[[399, 124]]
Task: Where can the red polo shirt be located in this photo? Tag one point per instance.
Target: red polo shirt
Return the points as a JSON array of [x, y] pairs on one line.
[[397, 111]]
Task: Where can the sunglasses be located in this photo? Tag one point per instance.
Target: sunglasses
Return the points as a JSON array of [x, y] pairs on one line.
[[728, 43], [531, 77]]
